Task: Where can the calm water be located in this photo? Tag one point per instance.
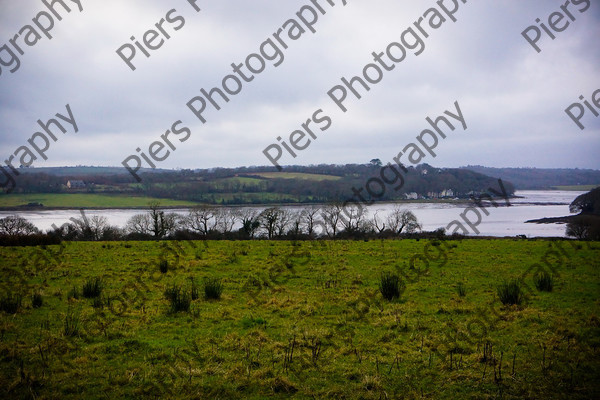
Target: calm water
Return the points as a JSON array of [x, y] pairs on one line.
[[502, 221]]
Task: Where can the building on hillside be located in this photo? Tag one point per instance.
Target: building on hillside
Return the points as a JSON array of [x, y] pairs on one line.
[[447, 193], [76, 184]]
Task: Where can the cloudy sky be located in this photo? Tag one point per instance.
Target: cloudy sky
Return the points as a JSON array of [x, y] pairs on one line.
[[513, 98]]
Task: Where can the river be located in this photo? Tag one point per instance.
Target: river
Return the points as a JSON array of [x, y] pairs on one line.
[[501, 221]]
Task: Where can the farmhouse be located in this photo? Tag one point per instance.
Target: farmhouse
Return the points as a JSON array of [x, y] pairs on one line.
[[76, 184]]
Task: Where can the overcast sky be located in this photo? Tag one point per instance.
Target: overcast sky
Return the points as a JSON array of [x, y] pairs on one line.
[[513, 98]]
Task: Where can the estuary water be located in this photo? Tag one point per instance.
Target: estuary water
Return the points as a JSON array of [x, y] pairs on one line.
[[501, 221]]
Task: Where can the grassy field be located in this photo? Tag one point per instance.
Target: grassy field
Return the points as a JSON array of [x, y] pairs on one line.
[[583, 188], [302, 320], [297, 175], [84, 200]]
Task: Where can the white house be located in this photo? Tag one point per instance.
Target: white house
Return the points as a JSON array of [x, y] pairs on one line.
[[75, 184]]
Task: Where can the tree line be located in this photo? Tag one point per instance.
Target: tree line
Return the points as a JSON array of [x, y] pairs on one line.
[[210, 222]]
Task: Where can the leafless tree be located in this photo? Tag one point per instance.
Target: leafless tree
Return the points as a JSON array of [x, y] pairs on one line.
[[14, 225], [200, 219], [310, 218], [378, 224], [353, 219], [332, 216], [139, 223], [283, 222], [268, 220], [400, 221], [225, 219], [296, 222], [90, 228], [98, 225]]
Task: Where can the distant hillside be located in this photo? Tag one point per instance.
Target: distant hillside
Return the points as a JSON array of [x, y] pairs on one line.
[[81, 171], [541, 178], [261, 185]]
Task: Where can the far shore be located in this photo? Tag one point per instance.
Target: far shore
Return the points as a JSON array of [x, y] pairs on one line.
[[186, 206]]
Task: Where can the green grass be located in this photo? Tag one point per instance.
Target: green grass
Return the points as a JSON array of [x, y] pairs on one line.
[[80, 200], [297, 175], [250, 198], [576, 187], [243, 180], [304, 320]]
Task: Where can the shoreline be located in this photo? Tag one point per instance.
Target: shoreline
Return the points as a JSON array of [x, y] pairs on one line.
[[26, 208]]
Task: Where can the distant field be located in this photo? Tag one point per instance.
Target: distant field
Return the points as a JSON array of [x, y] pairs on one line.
[[577, 187], [250, 198], [77, 200], [301, 320], [297, 175]]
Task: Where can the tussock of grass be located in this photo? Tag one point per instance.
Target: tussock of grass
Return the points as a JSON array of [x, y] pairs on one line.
[[92, 288], [390, 286], [71, 323], [179, 298], [510, 293], [163, 266], [10, 303], [543, 281], [37, 300], [213, 288]]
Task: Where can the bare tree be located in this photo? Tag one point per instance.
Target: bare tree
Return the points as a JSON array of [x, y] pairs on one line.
[[400, 221], [355, 219], [332, 216], [200, 219], [310, 218], [378, 224], [98, 226], [225, 220], [139, 223], [90, 228], [268, 220], [296, 222], [283, 222], [14, 225]]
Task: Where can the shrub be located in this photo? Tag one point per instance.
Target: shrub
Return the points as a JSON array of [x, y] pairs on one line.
[[543, 282], [180, 299], [461, 289], [163, 266], [390, 285], [10, 303], [71, 325], [510, 293], [213, 288], [36, 300], [92, 288]]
